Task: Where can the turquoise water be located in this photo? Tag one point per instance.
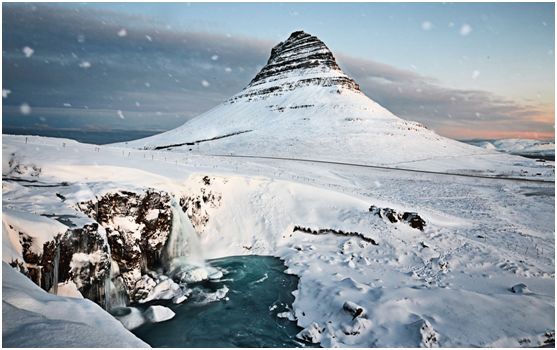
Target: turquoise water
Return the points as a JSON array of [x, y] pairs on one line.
[[258, 290]]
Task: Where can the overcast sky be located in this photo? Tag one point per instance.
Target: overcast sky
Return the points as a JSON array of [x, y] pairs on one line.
[[464, 70]]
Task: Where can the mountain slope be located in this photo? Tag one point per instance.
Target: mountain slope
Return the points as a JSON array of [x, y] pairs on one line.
[[302, 105]]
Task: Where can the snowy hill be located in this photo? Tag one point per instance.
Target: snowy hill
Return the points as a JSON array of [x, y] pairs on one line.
[[521, 147], [302, 105]]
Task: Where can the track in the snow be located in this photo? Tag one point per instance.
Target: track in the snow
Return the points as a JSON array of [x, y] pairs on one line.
[[385, 168]]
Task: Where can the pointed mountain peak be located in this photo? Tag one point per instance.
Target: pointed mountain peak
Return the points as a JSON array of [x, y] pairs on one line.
[[301, 60], [302, 49]]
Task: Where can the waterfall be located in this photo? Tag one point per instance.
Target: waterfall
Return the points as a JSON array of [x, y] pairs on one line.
[[183, 247], [56, 268], [114, 290]]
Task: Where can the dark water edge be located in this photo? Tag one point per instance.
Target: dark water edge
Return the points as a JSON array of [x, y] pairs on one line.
[[84, 136], [259, 289], [535, 156]]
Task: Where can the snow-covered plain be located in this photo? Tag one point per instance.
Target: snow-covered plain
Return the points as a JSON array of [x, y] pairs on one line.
[[448, 285]]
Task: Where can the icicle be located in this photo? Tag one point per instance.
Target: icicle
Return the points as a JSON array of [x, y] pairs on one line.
[[114, 290], [107, 283], [40, 275], [56, 267], [114, 293]]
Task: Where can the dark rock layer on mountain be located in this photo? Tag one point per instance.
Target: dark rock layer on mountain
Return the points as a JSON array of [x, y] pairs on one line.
[[301, 60]]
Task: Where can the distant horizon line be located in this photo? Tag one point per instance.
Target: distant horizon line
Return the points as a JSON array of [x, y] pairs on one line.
[[8, 131]]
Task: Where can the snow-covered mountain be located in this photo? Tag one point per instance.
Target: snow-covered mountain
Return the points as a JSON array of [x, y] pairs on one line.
[[302, 105], [385, 257]]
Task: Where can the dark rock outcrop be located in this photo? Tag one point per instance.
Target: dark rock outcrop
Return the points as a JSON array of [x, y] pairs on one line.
[[196, 205], [412, 219], [79, 255], [83, 258], [334, 232], [137, 227]]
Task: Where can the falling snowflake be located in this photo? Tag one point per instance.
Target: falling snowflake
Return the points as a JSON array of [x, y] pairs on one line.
[[122, 33], [228, 69], [85, 64], [451, 24], [465, 29], [25, 109], [5, 93], [148, 84], [205, 83], [67, 104], [426, 25], [148, 38], [215, 57], [475, 74], [121, 115], [27, 51], [81, 38], [137, 104]]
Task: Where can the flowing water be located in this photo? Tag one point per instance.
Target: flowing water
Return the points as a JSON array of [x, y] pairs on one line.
[[183, 247], [258, 289]]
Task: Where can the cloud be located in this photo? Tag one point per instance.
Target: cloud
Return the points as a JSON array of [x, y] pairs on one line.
[[412, 96], [159, 78]]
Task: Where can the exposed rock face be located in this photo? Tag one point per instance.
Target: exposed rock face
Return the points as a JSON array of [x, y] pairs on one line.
[[124, 248], [84, 258], [79, 255], [17, 167], [412, 219], [334, 232], [137, 228], [311, 334], [302, 60], [196, 205]]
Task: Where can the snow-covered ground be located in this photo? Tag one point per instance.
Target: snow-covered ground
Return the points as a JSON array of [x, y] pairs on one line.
[[32, 317], [522, 147], [449, 285]]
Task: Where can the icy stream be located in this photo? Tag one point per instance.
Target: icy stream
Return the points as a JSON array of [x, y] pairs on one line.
[[257, 290]]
